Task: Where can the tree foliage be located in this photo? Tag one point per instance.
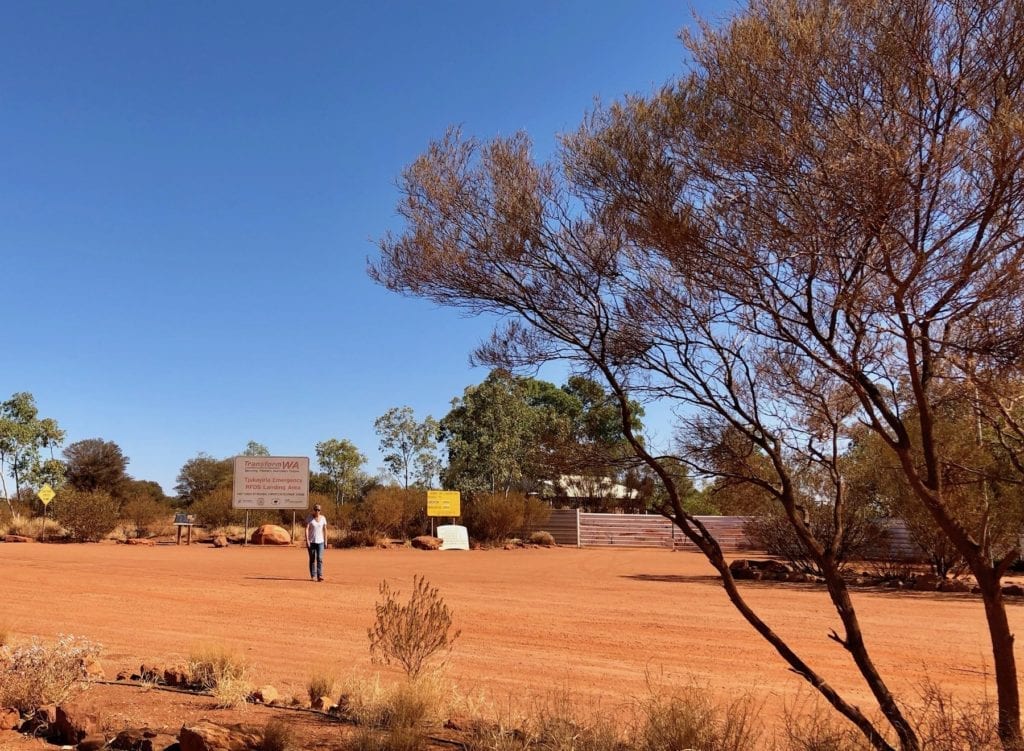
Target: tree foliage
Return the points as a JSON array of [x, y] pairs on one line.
[[341, 461], [23, 434], [409, 447], [94, 464], [201, 475], [515, 432], [814, 231]]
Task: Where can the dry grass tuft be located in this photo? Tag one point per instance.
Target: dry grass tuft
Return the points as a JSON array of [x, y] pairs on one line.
[[320, 685], [222, 672], [278, 736]]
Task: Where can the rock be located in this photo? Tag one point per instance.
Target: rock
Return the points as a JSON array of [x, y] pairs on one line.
[[145, 541], [177, 675], [271, 534], [94, 742], [209, 736], [143, 739], [324, 704], [76, 721], [129, 739], [954, 585], [126, 675], [426, 542], [10, 718], [264, 695], [159, 742], [1013, 590], [15, 538], [220, 541], [93, 669]]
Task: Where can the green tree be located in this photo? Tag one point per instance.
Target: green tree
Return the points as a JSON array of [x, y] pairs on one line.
[[341, 461], [492, 434], [252, 448], [409, 447], [201, 475], [23, 434], [94, 464]]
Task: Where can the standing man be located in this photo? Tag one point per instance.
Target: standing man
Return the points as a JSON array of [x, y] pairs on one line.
[[316, 541]]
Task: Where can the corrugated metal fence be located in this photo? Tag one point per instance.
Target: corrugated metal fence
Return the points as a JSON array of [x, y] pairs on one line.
[[582, 529]]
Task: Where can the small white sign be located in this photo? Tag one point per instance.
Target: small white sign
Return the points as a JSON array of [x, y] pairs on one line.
[[271, 482], [453, 537]]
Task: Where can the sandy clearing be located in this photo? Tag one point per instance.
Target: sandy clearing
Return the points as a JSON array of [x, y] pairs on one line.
[[593, 621]]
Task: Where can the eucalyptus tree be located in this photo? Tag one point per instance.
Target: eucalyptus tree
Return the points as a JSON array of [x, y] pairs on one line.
[[23, 435]]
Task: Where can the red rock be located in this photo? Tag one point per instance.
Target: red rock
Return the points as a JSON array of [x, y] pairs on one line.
[[10, 718], [209, 736], [271, 534], [75, 721], [426, 542]]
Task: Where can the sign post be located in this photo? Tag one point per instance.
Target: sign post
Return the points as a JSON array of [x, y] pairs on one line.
[[45, 494], [270, 483]]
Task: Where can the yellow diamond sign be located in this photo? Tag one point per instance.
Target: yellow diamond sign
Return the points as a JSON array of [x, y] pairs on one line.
[[46, 494]]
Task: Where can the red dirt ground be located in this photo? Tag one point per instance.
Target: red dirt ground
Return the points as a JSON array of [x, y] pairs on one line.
[[535, 622]]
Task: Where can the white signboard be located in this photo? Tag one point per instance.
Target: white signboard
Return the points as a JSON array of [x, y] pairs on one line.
[[271, 482]]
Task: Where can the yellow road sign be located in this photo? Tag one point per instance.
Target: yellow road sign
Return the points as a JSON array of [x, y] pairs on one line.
[[46, 494], [443, 503]]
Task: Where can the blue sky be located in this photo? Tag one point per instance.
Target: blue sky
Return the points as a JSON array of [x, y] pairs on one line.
[[191, 190]]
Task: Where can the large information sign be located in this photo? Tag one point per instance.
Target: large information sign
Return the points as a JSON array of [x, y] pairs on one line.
[[269, 482], [443, 503]]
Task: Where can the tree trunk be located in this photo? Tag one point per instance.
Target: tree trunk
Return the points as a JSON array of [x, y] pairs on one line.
[[1007, 688]]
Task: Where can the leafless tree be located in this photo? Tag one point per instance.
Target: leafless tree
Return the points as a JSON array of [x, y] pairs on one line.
[[813, 232]]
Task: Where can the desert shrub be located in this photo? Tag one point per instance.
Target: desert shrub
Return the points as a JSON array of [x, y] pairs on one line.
[[358, 539], [542, 538], [319, 685], [892, 569], [36, 674], [141, 514], [86, 516], [222, 672], [943, 724], [393, 511], [214, 509], [688, 718], [278, 736], [411, 633], [772, 532], [495, 517]]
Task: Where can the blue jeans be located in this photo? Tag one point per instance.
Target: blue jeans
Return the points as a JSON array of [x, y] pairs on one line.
[[316, 560]]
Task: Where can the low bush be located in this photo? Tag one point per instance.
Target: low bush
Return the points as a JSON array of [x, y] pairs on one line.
[[278, 736], [772, 532], [542, 538], [393, 512], [357, 539], [35, 674], [414, 632], [142, 515], [86, 516], [496, 517]]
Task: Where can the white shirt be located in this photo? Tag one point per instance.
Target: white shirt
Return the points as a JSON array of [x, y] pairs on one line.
[[315, 528]]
